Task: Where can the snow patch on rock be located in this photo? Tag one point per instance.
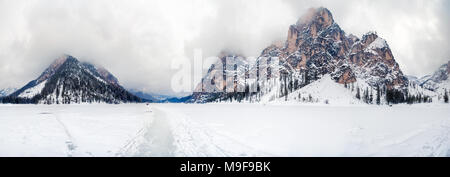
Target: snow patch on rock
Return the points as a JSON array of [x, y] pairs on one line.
[[33, 91], [379, 43]]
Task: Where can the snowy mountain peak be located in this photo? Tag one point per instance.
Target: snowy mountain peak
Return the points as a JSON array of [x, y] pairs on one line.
[[369, 37], [441, 74], [316, 46], [320, 16], [68, 80], [228, 63], [438, 81], [52, 68], [371, 41]]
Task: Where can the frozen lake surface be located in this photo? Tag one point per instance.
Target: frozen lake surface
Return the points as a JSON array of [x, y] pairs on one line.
[[224, 130]]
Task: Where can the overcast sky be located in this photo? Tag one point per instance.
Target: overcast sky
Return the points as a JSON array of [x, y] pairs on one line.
[[138, 39]]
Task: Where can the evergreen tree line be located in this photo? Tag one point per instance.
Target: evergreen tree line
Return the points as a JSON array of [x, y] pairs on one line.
[[289, 83], [411, 99], [18, 100], [391, 96], [367, 95]]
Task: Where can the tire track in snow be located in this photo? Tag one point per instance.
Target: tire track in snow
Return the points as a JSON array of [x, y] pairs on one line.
[[192, 139], [70, 142], [431, 140], [153, 140], [439, 145], [171, 133], [131, 143]]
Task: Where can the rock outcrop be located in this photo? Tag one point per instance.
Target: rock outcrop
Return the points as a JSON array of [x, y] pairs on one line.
[[316, 46]]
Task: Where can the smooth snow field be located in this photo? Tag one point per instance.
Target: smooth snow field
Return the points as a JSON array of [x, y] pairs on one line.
[[224, 130]]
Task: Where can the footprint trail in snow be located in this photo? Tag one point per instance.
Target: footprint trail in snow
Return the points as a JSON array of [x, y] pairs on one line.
[[171, 133]]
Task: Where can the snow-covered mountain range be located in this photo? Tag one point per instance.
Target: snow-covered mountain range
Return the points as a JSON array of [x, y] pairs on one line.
[[158, 98], [317, 50], [318, 62], [438, 81], [68, 80]]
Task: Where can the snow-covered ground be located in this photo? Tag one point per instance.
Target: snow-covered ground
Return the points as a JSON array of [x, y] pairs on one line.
[[321, 91], [224, 130]]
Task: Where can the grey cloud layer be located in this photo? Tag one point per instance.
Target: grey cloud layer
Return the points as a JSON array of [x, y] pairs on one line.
[[137, 40]]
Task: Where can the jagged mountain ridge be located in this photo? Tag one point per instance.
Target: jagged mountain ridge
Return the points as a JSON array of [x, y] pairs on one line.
[[438, 79], [317, 46], [435, 85], [68, 80]]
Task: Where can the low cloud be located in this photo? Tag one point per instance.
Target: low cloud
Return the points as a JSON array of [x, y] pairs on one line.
[[137, 40]]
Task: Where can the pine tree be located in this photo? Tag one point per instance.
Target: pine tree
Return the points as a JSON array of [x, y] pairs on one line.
[[358, 94], [284, 87], [366, 95], [306, 77], [388, 96], [378, 95], [285, 90], [446, 96]]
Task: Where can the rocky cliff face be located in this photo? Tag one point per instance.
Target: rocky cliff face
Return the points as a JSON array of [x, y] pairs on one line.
[[51, 70], [322, 47], [374, 62], [316, 46], [215, 82]]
